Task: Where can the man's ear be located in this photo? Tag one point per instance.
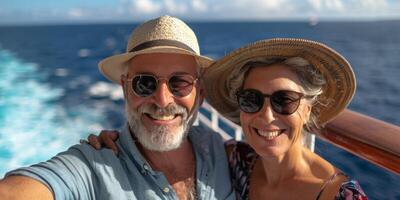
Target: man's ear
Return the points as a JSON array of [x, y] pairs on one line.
[[202, 93], [122, 82]]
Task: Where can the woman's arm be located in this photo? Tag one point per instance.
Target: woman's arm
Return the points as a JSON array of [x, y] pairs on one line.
[[106, 139]]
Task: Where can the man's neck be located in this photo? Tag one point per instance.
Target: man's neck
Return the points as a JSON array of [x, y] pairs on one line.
[[164, 160], [178, 166]]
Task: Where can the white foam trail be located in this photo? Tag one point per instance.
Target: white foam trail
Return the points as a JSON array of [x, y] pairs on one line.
[[103, 89], [61, 72], [83, 53], [33, 127]]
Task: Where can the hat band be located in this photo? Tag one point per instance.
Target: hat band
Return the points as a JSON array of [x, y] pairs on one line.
[[154, 43]]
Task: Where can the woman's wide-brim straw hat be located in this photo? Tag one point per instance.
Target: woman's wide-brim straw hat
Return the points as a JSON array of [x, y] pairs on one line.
[[161, 35], [337, 92]]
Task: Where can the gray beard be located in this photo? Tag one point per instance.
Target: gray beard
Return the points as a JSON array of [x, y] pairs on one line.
[[160, 138]]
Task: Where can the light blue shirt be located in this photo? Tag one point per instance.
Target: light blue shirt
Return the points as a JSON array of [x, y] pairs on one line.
[[82, 172]]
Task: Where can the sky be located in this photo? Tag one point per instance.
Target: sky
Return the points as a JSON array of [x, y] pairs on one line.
[[97, 11]]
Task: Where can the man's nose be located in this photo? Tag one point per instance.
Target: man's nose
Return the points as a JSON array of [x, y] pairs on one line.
[[163, 97]]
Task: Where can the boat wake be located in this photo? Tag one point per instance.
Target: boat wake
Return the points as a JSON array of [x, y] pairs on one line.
[[34, 126]]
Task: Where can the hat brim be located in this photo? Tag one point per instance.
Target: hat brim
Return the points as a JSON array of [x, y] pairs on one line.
[[337, 92], [113, 67]]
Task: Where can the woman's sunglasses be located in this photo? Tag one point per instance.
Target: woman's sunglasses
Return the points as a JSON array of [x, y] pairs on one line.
[[180, 85], [283, 102]]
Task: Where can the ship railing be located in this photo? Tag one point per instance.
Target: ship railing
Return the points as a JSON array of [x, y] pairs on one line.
[[371, 139]]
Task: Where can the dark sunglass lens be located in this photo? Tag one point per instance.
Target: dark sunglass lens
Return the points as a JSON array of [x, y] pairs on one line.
[[285, 102], [250, 101], [144, 85], [181, 85]]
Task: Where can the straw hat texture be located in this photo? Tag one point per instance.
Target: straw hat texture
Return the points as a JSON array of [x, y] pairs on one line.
[[337, 92], [161, 35]]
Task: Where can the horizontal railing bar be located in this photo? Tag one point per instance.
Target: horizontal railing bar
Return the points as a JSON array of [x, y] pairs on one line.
[[366, 137]]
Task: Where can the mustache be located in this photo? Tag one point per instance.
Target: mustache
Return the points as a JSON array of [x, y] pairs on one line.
[[171, 109]]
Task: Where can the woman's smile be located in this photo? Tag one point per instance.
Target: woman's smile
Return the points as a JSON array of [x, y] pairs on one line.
[[269, 134]]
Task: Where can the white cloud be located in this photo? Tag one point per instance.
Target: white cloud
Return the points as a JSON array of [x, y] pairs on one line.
[[327, 5], [199, 6], [175, 8], [336, 5], [274, 5], [259, 5], [212, 9], [315, 4], [374, 5], [145, 6], [339, 6], [76, 13], [253, 9]]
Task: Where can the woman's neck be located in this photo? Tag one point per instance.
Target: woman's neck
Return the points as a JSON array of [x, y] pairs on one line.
[[284, 167]]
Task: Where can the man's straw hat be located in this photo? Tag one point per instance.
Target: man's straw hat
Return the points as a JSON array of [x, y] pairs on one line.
[[337, 92], [161, 35]]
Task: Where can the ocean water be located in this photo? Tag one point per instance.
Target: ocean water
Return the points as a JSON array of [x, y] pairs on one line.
[[51, 93]]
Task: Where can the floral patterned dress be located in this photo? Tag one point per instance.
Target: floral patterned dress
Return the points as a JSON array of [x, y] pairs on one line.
[[241, 162]]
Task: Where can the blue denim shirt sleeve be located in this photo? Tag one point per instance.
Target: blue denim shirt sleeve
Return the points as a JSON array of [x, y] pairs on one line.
[[68, 175], [80, 173]]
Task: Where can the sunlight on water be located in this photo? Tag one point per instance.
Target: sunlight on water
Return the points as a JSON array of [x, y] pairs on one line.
[[33, 127]]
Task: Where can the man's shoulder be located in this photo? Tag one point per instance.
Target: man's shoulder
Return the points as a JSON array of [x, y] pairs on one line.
[[89, 153]]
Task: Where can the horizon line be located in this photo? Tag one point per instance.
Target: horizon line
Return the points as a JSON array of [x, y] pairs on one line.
[[111, 22]]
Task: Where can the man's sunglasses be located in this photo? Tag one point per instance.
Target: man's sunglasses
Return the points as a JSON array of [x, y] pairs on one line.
[[180, 85], [283, 102]]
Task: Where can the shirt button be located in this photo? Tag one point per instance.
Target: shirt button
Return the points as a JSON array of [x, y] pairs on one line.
[[146, 167], [166, 190]]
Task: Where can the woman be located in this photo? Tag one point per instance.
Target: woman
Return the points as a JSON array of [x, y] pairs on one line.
[[279, 90]]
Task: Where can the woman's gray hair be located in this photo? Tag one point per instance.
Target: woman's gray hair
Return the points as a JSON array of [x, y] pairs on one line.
[[310, 78]]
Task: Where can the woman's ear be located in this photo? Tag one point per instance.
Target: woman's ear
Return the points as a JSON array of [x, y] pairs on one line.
[[307, 113]]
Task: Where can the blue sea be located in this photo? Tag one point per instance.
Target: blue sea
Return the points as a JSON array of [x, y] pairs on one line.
[[51, 93]]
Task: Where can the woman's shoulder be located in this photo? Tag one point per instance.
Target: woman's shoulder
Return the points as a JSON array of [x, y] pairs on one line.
[[319, 167], [336, 183], [341, 187]]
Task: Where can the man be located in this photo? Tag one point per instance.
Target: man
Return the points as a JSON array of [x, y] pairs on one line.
[[161, 156]]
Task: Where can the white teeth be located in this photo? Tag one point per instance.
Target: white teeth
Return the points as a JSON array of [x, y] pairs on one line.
[[268, 134], [162, 117]]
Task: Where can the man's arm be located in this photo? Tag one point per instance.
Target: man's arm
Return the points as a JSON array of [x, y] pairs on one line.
[[21, 187], [66, 176]]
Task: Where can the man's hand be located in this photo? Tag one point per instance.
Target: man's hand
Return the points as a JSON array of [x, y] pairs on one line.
[[106, 139]]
